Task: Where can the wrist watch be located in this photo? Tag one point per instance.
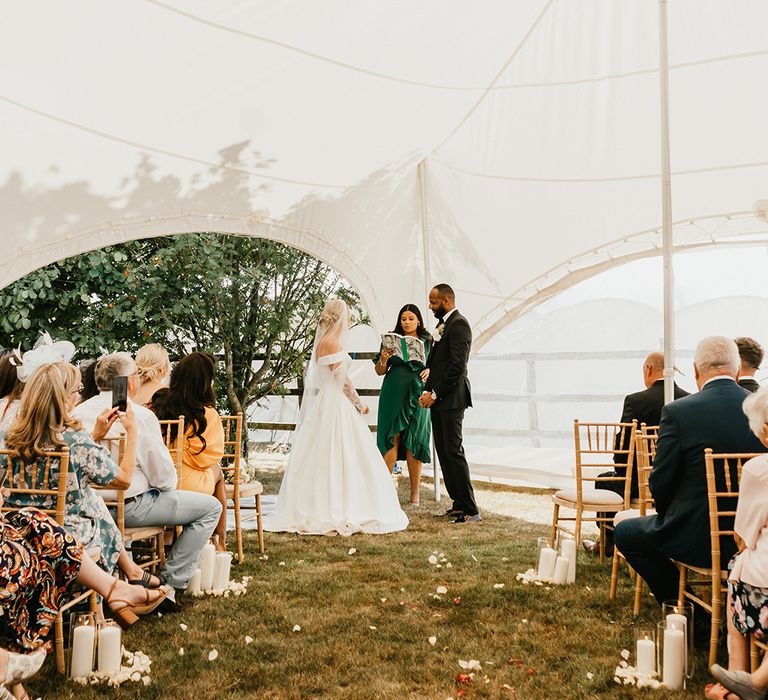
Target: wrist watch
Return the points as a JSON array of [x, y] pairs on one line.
[[434, 395]]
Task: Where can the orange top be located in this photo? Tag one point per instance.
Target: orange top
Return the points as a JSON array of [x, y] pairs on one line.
[[196, 474]]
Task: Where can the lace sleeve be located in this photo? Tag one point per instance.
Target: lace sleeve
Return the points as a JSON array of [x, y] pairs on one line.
[[352, 395]]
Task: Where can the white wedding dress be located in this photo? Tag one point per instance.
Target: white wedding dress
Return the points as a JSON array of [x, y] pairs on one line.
[[336, 480]]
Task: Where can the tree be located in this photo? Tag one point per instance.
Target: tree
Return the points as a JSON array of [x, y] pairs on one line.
[[253, 301]]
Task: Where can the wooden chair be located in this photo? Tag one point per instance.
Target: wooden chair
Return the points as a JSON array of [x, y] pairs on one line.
[[756, 650], [115, 499], [175, 446], [723, 475], [236, 491], [596, 444], [37, 482], [645, 451]]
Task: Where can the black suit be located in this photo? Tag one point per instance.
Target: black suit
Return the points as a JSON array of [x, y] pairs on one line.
[[680, 529], [447, 365], [750, 384]]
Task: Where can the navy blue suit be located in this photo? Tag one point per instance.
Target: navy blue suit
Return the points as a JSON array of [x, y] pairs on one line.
[[680, 529]]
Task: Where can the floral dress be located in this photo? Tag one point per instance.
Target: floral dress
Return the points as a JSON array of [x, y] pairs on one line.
[[87, 516], [39, 564]]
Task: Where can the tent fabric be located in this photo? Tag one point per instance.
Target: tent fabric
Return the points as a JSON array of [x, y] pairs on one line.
[[510, 149]]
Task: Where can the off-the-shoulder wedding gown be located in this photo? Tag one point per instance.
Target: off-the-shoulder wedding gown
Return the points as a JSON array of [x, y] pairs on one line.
[[336, 480]]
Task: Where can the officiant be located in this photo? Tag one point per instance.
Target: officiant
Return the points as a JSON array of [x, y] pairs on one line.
[[403, 431]]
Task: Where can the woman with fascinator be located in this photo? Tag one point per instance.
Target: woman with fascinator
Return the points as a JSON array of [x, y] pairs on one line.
[[336, 480]]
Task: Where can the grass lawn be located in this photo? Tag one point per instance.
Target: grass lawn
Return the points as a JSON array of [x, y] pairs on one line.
[[366, 619]]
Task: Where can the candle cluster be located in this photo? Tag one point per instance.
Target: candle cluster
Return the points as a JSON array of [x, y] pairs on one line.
[[554, 567], [137, 669], [212, 578]]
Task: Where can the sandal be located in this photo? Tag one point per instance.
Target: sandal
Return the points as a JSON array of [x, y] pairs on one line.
[[127, 615], [146, 580], [716, 691]]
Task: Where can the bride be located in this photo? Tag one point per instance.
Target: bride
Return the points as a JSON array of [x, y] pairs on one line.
[[335, 480]]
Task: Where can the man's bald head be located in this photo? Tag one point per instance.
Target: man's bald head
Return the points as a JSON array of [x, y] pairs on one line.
[[653, 368]]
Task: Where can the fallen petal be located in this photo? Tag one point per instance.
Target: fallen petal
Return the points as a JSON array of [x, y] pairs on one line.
[[625, 654], [442, 590], [213, 655], [432, 640], [351, 551], [248, 639], [181, 651], [498, 585], [297, 628], [590, 676], [183, 626]]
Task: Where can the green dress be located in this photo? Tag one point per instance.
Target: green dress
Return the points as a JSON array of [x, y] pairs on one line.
[[399, 410]]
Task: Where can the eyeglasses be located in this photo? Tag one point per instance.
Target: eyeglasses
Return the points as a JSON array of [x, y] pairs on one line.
[[77, 391]]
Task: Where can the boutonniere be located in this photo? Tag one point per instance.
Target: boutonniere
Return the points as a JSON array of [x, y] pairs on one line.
[[437, 334]]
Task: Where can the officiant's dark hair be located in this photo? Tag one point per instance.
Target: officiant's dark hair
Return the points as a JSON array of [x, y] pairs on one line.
[[445, 290], [422, 331]]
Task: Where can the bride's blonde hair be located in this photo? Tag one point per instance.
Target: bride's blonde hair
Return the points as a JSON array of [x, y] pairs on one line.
[[151, 362], [334, 313], [42, 416]]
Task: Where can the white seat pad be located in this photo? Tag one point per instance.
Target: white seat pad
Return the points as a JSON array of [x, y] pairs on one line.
[[591, 497]]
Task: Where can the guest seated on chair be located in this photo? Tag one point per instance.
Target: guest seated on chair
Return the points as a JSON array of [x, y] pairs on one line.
[[748, 577], [645, 406], [153, 367], [680, 529], [10, 388], [152, 498], [751, 355], [190, 394]]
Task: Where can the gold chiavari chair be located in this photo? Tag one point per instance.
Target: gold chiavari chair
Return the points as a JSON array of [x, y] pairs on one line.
[[236, 491], [35, 480], [175, 445], [756, 650], [645, 451], [723, 476]]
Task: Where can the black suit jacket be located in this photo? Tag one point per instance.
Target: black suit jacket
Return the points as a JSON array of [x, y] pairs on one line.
[[448, 365], [749, 384], [712, 418], [646, 407]]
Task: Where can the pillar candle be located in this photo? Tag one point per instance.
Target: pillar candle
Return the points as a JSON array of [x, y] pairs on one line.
[[109, 649], [674, 658], [569, 550], [194, 583], [221, 571], [207, 559], [645, 654], [83, 637], [676, 621], [561, 571], [546, 568]]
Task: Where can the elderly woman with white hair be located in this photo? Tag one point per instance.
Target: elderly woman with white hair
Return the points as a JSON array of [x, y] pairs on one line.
[[748, 578]]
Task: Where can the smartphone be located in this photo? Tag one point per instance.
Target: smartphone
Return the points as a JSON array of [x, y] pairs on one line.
[[120, 393]]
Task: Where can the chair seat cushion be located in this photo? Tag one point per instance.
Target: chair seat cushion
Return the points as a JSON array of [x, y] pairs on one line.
[[589, 498], [631, 513], [252, 488]]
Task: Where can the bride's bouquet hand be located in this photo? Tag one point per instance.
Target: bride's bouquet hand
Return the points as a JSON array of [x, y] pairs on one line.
[[424, 375]]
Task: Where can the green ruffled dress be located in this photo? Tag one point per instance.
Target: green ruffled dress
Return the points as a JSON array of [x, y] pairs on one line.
[[399, 410]]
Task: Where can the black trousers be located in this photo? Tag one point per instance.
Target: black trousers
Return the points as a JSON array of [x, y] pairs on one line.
[[447, 429]]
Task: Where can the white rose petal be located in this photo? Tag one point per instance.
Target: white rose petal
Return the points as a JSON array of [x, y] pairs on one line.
[[135, 677], [248, 639], [181, 651], [297, 628], [432, 559], [498, 585], [146, 680], [213, 655], [473, 557], [282, 563], [183, 626], [371, 627], [351, 551], [449, 565], [505, 559], [432, 640], [383, 600], [442, 590], [524, 621], [625, 654], [590, 676]]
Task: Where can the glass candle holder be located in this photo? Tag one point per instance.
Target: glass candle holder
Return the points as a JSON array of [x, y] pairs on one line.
[[547, 556], [671, 655], [82, 644], [109, 647], [567, 548], [645, 651], [681, 617]]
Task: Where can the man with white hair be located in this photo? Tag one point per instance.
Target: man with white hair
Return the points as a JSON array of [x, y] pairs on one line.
[[152, 499], [680, 529]]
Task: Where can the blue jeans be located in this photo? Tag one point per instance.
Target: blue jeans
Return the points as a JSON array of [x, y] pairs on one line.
[[198, 513]]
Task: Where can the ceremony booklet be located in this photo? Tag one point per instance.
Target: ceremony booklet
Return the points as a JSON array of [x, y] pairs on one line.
[[406, 347]]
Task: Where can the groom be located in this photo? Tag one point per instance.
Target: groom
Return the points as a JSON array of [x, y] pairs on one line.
[[447, 394]]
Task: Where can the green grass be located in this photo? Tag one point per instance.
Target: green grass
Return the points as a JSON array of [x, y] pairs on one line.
[[336, 598]]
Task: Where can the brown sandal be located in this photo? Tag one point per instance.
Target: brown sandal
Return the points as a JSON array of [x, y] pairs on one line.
[[127, 615]]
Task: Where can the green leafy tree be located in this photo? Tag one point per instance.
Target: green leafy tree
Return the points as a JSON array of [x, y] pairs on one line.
[[252, 301]]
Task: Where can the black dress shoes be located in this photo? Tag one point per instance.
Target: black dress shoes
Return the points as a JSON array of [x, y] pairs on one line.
[[450, 513], [467, 519]]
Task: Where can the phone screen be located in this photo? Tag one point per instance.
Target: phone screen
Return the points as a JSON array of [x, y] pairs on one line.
[[120, 393]]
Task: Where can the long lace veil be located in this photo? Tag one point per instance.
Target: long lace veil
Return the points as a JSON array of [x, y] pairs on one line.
[[333, 322]]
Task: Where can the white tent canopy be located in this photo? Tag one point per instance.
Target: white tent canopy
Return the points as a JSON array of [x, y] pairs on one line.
[[508, 148]]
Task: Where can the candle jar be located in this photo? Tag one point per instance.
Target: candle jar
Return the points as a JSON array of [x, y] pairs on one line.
[[82, 644], [567, 548], [109, 647], [671, 654], [645, 651], [547, 556], [681, 616]]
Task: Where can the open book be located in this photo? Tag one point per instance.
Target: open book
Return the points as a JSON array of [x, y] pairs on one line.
[[406, 347]]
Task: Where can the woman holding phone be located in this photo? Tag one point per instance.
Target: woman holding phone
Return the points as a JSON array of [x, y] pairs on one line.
[[403, 426]]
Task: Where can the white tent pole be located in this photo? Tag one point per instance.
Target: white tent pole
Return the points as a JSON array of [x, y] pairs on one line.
[[422, 175], [666, 212]]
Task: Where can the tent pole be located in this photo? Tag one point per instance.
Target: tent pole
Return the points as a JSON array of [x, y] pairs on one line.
[[422, 175], [666, 212]]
